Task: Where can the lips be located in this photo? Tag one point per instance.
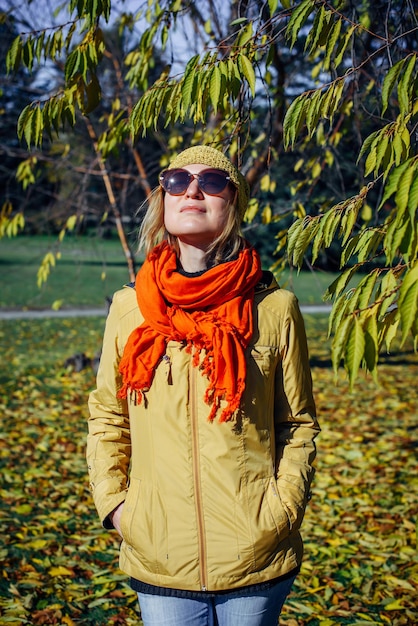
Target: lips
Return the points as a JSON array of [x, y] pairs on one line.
[[193, 209]]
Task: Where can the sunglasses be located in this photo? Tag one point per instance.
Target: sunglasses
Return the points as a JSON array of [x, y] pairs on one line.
[[210, 181]]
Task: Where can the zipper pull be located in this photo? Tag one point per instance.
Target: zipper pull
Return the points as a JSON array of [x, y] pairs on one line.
[[167, 364]]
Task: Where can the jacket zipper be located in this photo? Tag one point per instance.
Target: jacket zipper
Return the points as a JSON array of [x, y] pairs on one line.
[[196, 477]]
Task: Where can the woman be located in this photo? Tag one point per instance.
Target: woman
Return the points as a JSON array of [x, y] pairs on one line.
[[201, 428]]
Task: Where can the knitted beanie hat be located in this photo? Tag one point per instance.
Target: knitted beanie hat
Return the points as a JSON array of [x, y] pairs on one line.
[[206, 155]]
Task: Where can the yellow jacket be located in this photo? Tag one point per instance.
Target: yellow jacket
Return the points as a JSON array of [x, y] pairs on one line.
[[210, 506]]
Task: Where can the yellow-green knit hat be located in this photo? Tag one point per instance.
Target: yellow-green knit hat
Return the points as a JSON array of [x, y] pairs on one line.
[[206, 155]]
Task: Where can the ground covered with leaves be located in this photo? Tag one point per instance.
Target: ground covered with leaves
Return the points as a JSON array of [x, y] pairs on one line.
[[60, 567]]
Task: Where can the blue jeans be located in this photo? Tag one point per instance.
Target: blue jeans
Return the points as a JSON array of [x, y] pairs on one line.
[[237, 608]]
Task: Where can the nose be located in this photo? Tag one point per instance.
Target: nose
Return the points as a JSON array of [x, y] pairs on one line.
[[193, 189]]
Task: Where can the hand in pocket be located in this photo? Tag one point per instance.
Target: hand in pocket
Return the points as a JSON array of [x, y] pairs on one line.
[[116, 516]]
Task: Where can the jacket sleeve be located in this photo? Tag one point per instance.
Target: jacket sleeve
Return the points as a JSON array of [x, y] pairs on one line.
[[108, 440], [295, 416]]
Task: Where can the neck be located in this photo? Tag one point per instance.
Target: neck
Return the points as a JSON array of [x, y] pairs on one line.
[[192, 259]]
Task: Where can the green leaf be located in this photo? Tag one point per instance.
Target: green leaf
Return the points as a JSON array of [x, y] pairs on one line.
[[272, 6], [294, 119], [189, 85], [339, 284], [215, 87], [382, 148], [371, 345], [332, 98], [331, 41], [313, 112], [368, 142], [27, 127], [349, 219], [413, 195], [393, 181], [38, 125], [409, 245], [389, 82], [293, 234], [244, 35], [366, 288], [299, 15], [330, 224], [342, 45], [318, 240], [402, 192], [14, 54], [164, 37], [406, 139], [337, 313], [370, 164], [388, 328], [408, 301], [27, 54], [405, 85], [23, 121], [301, 244], [238, 21], [339, 341], [394, 234], [398, 150], [71, 65], [355, 350], [39, 47], [350, 249], [388, 291], [247, 69], [317, 29], [368, 244]]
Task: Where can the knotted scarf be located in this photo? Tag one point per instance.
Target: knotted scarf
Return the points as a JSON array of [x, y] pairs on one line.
[[211, 313]]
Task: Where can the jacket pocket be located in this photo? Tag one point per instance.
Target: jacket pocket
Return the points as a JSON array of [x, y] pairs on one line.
[[264, 358], [129, 508], [279, 512], [261, 524], [293, 501], [144, 526]]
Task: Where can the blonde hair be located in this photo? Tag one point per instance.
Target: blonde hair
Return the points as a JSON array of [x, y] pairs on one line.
[[153, 231]]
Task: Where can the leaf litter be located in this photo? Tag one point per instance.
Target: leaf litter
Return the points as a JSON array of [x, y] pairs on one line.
[[61, 567]]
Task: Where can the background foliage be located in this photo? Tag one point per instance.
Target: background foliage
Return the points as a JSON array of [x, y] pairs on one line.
[[60, 566], [321, 95]]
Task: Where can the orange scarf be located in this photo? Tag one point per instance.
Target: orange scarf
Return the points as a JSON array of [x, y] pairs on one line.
[[212, 313]]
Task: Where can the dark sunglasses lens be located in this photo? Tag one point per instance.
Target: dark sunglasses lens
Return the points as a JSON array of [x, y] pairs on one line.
[[213, 182], [175, 182]]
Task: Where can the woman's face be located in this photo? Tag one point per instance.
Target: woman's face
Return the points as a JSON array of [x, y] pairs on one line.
[[194, 217]]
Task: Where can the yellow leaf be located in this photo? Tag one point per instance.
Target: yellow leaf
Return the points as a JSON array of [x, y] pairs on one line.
[[393, 606], [60, 570], [23, 509], [265, 183], [316, 170], [38, 544], [367, 212], [56, 305]]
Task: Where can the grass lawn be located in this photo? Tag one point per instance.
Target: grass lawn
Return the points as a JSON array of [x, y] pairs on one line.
[[92, 269], [88, 271]]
